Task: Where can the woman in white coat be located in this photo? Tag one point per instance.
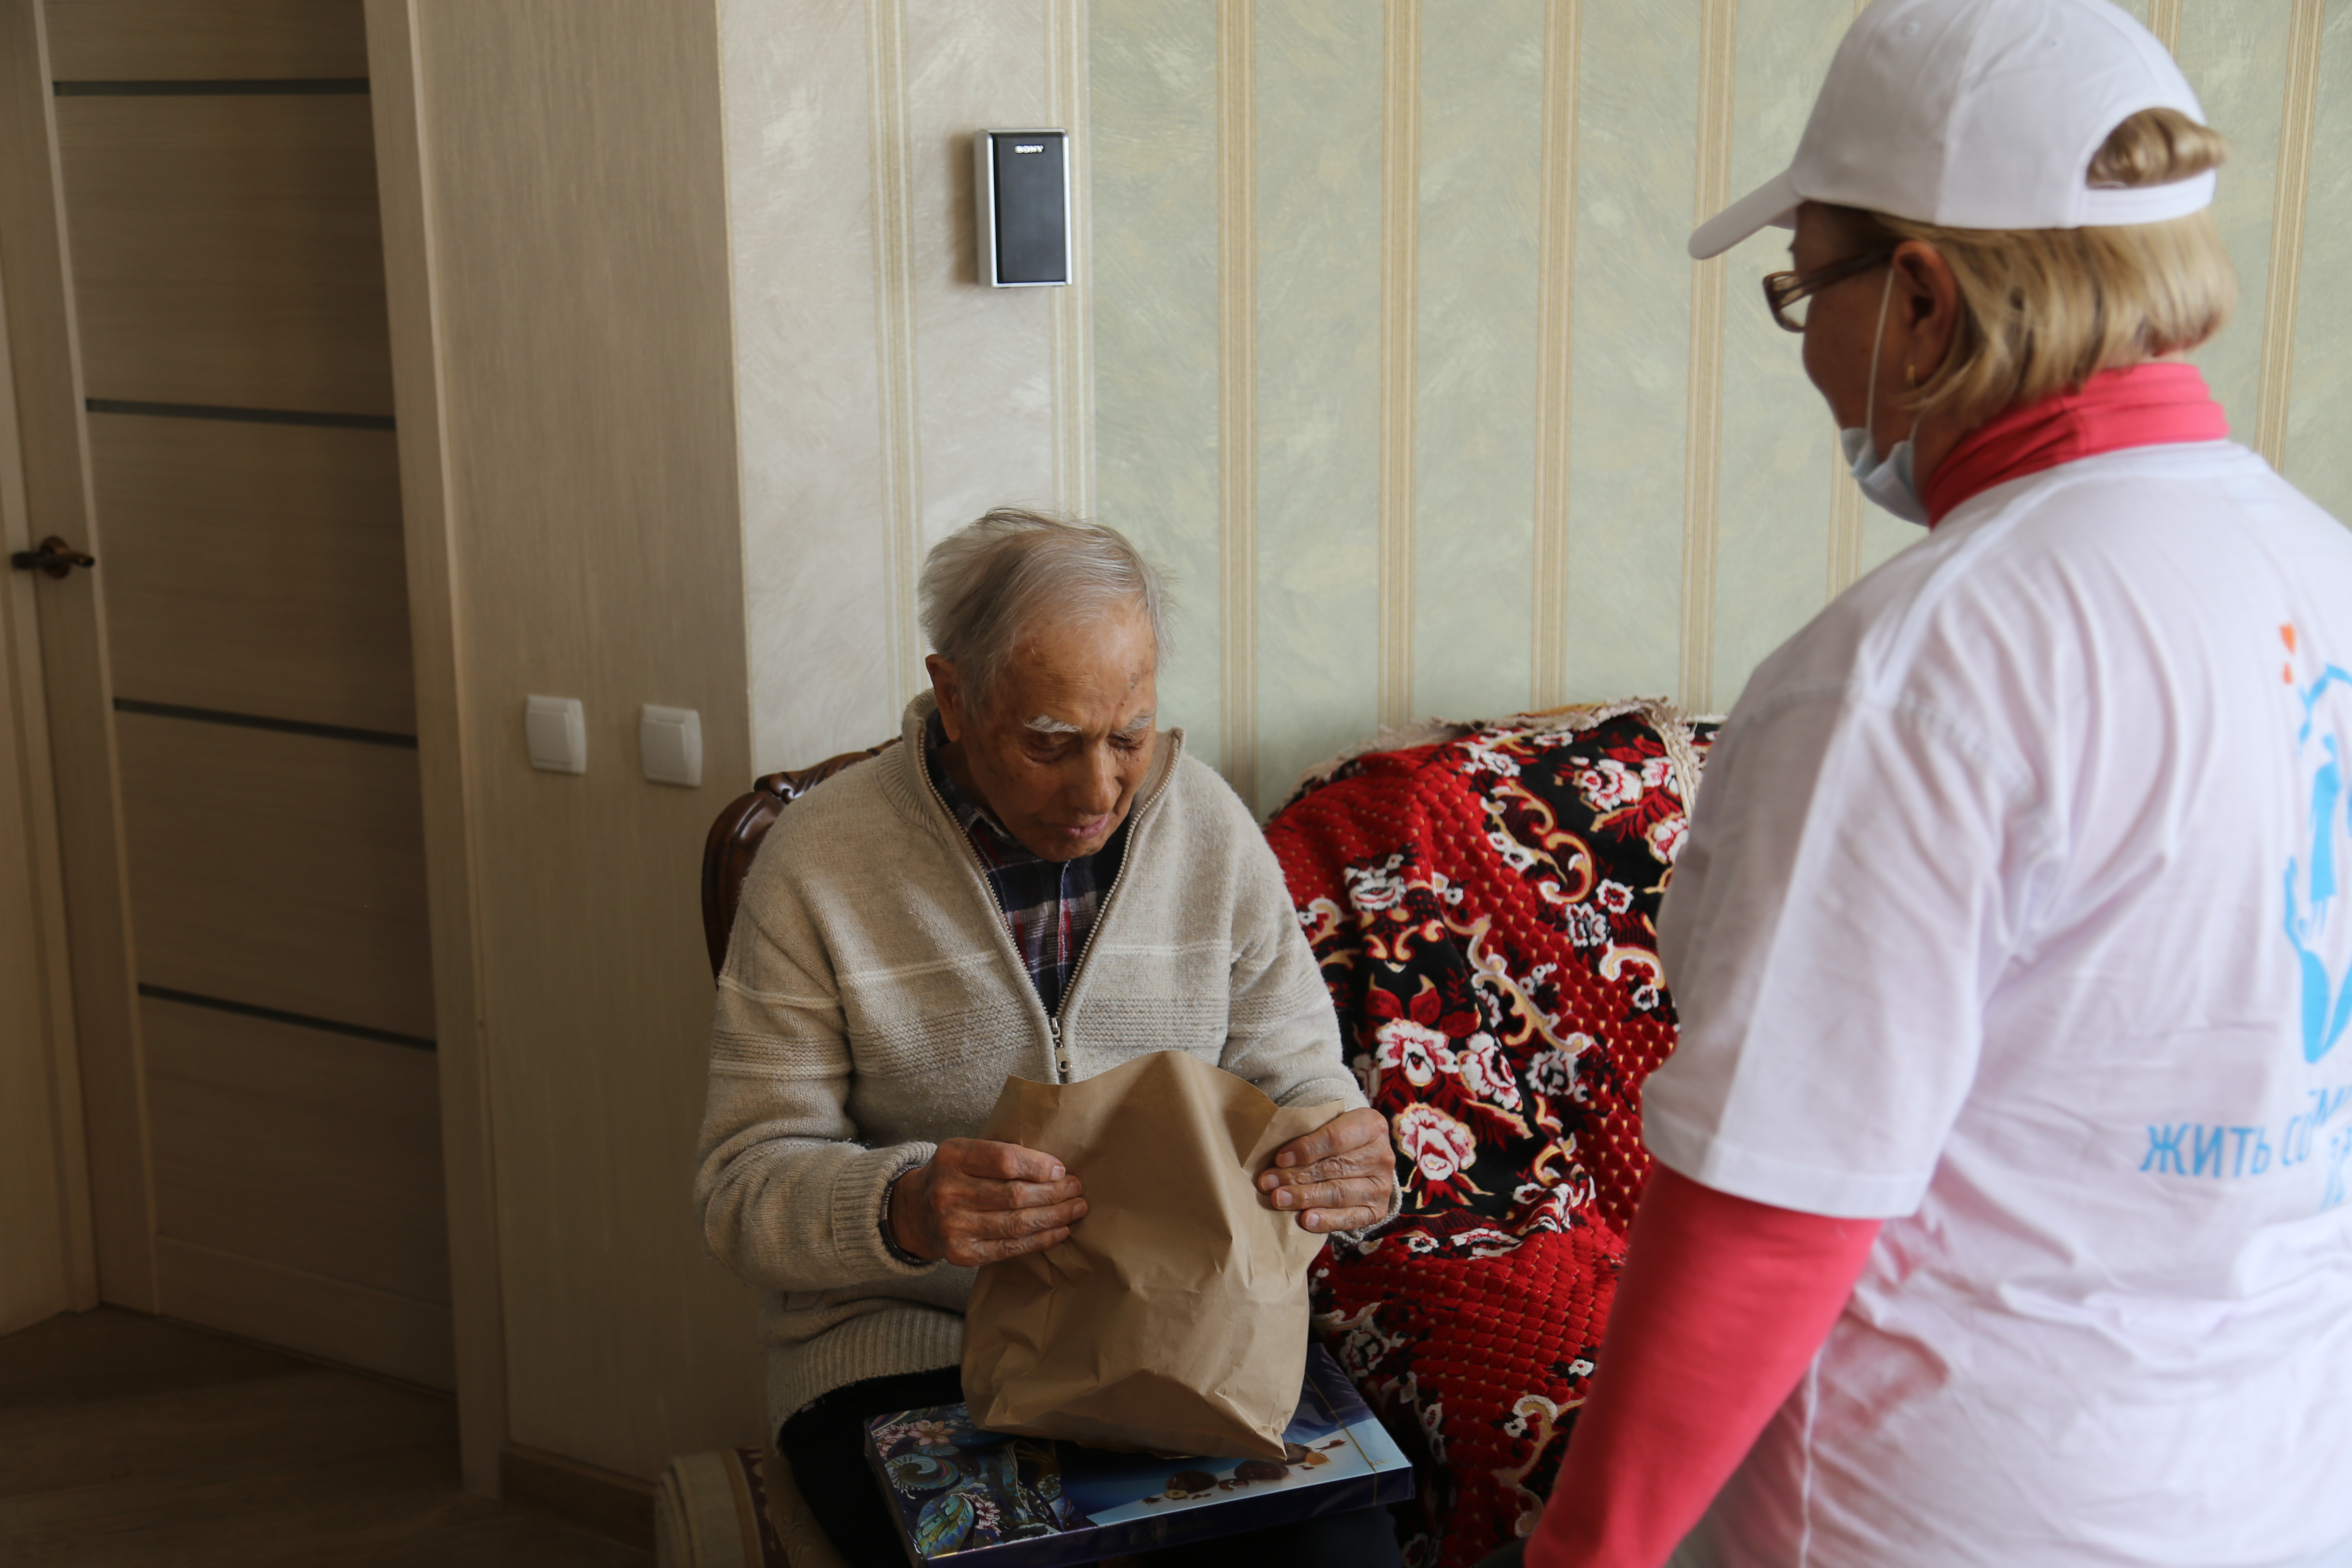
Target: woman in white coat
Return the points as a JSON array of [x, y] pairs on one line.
[[2000, 1209]]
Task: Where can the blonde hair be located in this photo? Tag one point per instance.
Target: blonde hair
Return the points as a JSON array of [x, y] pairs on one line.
[[2043, 309]]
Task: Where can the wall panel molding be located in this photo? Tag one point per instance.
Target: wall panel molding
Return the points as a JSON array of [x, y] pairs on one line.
[[1555, 343], [1074, 312], [1845, 524], [1399, 320], [894, 292], [1846, 534], [2302, 93], [1237, 385], [1702, 493]]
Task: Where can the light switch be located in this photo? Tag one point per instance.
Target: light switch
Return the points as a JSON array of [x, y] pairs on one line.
[[669, 743], [555, 730]]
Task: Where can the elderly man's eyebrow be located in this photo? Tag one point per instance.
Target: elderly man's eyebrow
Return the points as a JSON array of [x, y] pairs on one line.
[[1046, 724]]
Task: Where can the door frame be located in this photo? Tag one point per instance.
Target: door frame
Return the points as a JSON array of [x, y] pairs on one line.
[[447, 762]]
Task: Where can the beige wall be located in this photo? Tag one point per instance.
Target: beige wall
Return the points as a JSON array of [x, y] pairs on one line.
[[556, 248], [1402, 364], [884, 397]]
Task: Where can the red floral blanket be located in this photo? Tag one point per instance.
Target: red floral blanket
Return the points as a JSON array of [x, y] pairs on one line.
[[1485, 911]]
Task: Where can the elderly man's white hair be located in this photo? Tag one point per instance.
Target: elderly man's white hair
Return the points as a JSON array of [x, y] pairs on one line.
[[993, 579]]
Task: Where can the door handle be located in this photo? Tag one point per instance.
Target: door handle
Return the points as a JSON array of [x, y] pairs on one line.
[[53, 556]]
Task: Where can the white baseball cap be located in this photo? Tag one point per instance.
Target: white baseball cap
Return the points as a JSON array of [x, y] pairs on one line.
[[1975, 114]]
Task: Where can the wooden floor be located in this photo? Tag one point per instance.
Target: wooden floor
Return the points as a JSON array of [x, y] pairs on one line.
[[126, 1442]]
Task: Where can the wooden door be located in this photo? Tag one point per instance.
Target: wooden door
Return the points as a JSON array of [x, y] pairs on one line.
[[45, 1265], [213, 165]]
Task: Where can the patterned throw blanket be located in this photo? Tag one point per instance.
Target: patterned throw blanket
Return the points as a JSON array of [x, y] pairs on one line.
[[1485, 909]]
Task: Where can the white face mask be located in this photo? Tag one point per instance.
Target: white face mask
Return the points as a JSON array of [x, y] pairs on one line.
[[1886, 482]]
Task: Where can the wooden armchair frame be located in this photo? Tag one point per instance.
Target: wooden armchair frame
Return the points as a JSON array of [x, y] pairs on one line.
[[734, 840]]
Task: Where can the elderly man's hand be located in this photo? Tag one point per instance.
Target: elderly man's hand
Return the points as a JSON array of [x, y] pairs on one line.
[[1340, 1176], [978, 1202]]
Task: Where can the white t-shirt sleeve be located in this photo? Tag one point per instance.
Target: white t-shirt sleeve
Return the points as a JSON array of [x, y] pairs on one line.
[[1836, 923]]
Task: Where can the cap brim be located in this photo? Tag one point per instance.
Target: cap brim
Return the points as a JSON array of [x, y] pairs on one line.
[[1774, 201]]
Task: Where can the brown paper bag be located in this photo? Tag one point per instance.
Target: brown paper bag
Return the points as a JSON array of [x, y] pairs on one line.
[[1174, 1318]]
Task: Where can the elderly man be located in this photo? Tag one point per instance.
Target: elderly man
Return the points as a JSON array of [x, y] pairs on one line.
[[1037, 882]]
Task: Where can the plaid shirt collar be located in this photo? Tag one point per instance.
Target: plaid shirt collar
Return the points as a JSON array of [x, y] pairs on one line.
[[1048, 906]]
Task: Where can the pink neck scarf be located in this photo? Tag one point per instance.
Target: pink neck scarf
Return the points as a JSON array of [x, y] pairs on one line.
[[2146, 406]]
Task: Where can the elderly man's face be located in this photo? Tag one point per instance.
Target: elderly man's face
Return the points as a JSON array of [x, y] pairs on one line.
[[1063, 742]]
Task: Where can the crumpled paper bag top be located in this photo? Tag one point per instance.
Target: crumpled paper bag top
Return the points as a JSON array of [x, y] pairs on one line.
[[1174, 1318]]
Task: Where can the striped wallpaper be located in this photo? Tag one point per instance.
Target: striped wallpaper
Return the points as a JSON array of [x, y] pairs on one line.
[[1400, 363]]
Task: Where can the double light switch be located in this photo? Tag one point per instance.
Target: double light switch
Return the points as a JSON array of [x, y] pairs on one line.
[[669, 739]]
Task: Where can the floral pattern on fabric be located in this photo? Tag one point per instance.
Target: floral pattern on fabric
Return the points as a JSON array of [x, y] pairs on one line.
[[1485, 910]]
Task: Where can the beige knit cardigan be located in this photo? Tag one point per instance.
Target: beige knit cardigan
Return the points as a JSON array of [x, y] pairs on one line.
[[873, 1003]]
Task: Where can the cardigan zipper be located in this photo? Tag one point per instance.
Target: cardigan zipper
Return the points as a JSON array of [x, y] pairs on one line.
[[1086, 948], [1053, 1020]]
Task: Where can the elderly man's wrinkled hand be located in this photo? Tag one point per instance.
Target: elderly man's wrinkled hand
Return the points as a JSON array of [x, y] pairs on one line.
[[979, 1202], [1338, 1177]]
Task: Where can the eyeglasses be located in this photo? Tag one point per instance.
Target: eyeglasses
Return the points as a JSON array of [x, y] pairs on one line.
[[1785, 293]]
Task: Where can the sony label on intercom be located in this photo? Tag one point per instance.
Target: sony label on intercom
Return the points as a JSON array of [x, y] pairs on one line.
[[1021, 183]]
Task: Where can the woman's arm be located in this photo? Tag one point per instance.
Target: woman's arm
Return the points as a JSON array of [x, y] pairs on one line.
[[1721, 1307]]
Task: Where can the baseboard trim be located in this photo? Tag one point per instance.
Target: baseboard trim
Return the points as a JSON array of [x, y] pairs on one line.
[[617, 1507]]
